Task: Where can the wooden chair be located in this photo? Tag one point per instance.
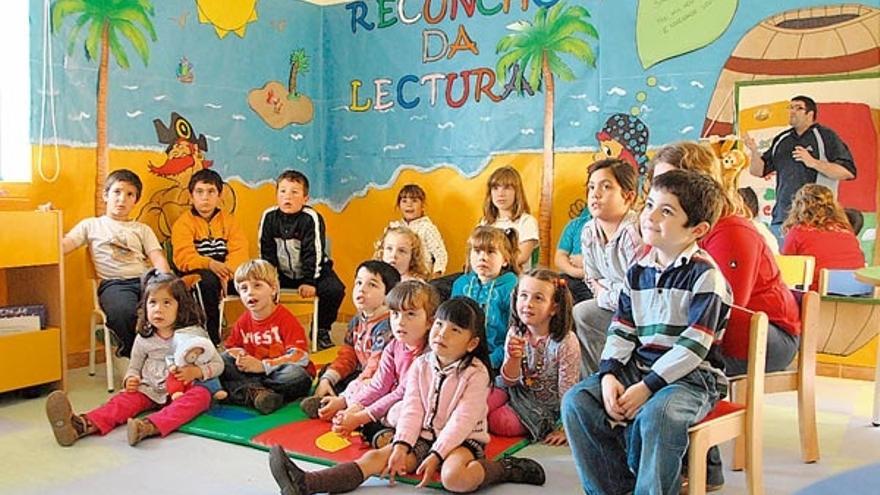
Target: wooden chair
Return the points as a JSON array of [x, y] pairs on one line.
[[290, 297], [799, 378], [98, 321], [797, 271], [730, 420], [848, 323]]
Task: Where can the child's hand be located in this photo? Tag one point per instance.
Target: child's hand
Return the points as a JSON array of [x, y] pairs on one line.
[[611, 391], [306, 290], [188, 373], [516, 346], [235, 352], [249, 364], [427, 469], [132, 383], [347, 421], [396, 463], [324, 388], [556, 438], [220, 269], [330, 406], [633, 398]]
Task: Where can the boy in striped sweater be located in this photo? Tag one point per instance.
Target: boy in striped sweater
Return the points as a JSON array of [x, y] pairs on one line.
[[660, 371]]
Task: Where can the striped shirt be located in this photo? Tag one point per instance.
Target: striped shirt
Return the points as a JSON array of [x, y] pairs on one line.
[[671, 318]]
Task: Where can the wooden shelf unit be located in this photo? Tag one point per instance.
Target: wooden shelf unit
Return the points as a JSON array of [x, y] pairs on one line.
[[32, 272]]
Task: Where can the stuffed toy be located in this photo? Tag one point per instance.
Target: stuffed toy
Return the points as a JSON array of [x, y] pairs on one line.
[[191, 349]]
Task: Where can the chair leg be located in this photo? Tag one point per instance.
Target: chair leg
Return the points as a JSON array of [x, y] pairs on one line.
[[807, 420], [697, 451], [108, 356], [92, 345], [876, 420], [314, 343], [754, 464], [738, 396]]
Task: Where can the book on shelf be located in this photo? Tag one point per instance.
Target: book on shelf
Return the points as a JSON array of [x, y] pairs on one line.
[[38, 310], [13, 324]]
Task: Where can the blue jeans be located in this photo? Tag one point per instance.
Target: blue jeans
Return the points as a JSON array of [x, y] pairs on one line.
[[289, 380], [644, 456]]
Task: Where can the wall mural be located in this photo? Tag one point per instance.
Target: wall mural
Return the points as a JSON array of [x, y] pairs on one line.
[[374, 88]]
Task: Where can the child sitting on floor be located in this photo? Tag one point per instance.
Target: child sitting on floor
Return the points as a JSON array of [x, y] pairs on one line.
[[367, 335], [442, 427], [165, 309], [541, 361], [267, 358], [376, 406], [490, 279]]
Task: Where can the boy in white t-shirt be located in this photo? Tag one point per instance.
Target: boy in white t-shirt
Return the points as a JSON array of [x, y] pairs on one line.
[[122, 250]]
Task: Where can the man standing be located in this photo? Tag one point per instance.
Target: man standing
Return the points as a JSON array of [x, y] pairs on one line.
[[806, 153]]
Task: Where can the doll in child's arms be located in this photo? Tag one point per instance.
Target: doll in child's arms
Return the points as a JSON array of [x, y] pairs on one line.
[[195, 350]]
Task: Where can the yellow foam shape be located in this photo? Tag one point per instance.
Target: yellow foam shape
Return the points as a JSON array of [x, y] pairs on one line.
[[331, 442]]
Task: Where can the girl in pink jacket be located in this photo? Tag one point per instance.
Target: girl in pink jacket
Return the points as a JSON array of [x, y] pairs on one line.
[[376, 407], [442, 428]]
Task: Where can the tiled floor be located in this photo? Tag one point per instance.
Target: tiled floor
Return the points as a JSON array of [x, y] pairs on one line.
[[32, 463]]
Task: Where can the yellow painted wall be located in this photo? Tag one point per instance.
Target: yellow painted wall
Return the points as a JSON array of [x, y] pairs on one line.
[[454, 204]]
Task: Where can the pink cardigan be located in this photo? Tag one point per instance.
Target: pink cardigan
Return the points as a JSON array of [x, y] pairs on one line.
[[388, 384], [457, 413]]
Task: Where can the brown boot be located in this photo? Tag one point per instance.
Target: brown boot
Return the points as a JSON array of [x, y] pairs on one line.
[[67, 426], [264, 400], [139, 429]]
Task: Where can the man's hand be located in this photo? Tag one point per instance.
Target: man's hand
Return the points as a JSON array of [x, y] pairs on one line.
[[802, 155], [633, 398], [306, 290], [611, 391], [750, 143]]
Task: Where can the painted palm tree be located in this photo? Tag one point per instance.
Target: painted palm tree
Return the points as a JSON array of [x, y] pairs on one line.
[[106, 23], [537, 48], [299, 64]]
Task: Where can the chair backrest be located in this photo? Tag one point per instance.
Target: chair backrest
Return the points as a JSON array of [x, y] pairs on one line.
[[94, 281], [757, 364], [797, 271], [842, 283], [847, 323]]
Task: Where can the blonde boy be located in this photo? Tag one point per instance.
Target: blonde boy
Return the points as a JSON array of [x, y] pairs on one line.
[[122, 250], [266, 358]]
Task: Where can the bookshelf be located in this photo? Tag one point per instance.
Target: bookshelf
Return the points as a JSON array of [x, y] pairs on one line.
[[31, 272]]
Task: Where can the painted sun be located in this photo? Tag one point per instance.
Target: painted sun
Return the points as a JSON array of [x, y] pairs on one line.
[[227, 16]]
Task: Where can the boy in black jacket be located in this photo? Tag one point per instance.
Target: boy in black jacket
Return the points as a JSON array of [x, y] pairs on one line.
[[293, 239]]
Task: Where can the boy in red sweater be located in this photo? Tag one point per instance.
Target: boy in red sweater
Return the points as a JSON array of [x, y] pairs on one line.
[[266, 358]]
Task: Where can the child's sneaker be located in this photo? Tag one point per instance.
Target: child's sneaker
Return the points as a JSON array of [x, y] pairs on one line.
[[522, 470], [310, 406], [67, 427]]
